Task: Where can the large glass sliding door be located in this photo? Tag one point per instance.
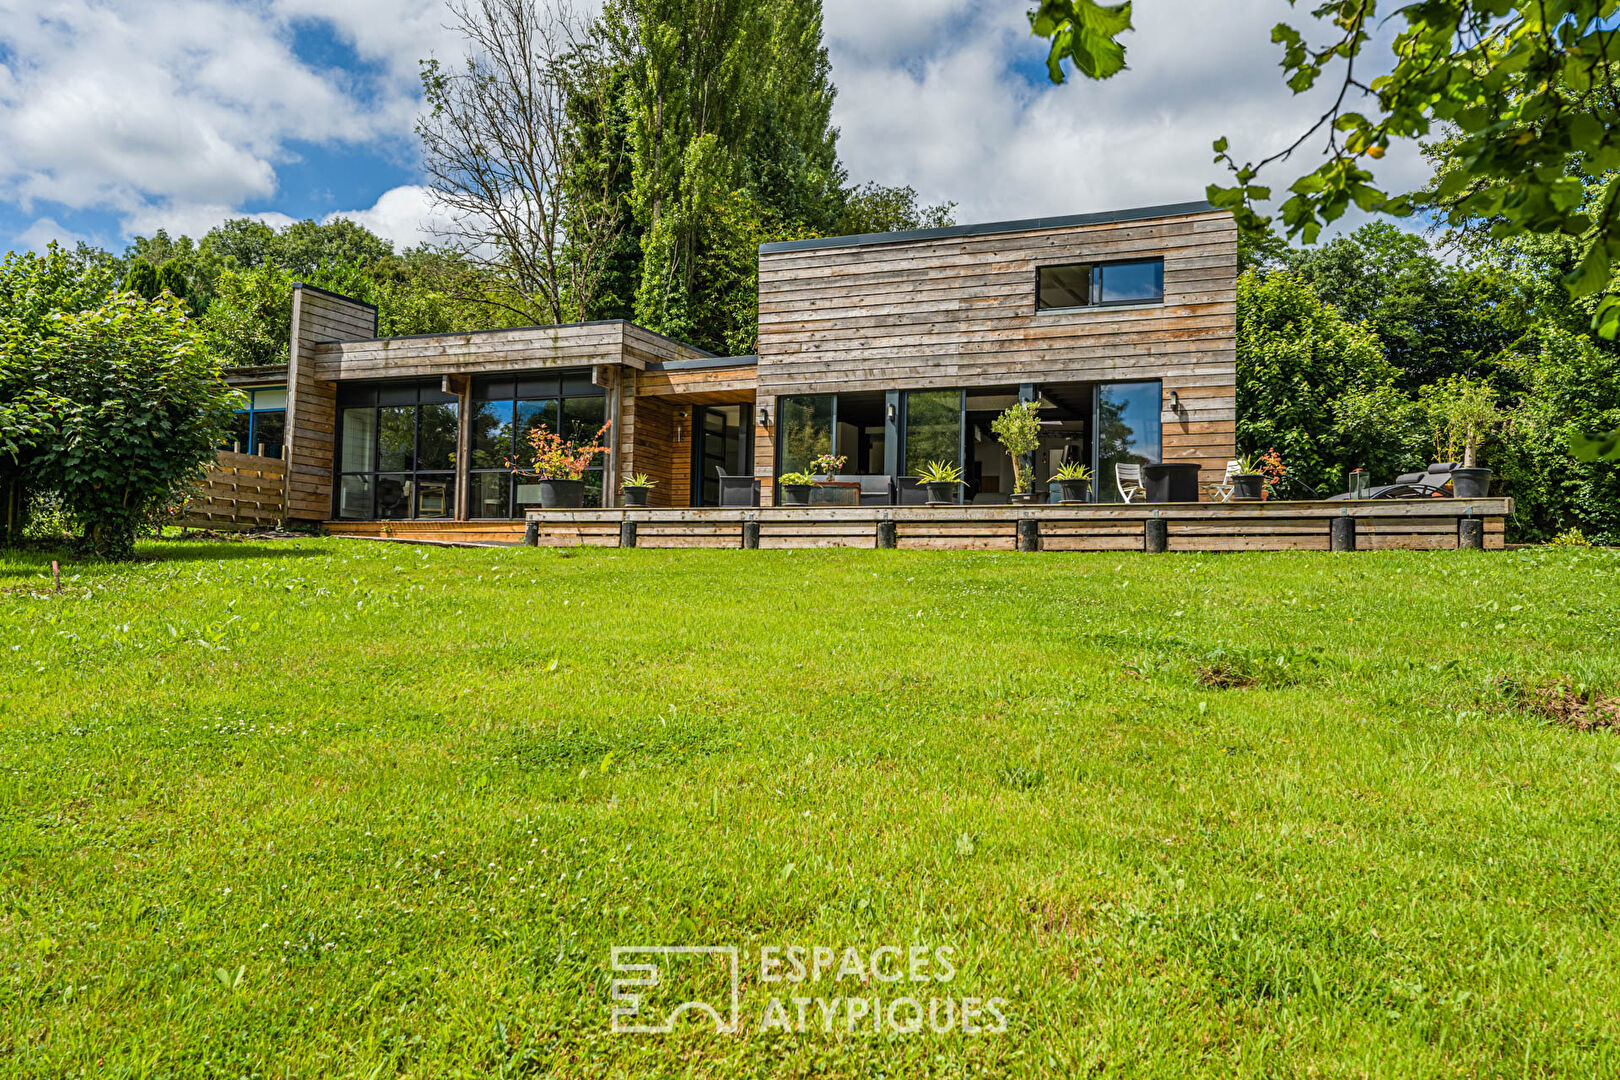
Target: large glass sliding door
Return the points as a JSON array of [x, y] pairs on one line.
[[504, 413], [806, 426], [397, 452], [724, 444], [933, 429], [1127, 430]]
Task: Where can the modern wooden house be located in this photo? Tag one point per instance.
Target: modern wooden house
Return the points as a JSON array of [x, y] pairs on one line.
[[892, 350]]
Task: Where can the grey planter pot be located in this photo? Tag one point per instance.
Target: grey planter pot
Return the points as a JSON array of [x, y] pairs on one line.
[[1025, 498], [796, 494], [942, 492], [1470, 483], [635, 497], [1248, 487], [562, 494], [1075, 491]]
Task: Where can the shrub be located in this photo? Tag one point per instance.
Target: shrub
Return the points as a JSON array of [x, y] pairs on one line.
[[1019, 431]]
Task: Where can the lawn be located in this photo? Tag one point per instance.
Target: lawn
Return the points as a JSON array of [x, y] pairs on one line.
[[339, 808]]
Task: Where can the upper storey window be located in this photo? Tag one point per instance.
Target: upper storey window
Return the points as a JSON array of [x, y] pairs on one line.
[[1079, 285]]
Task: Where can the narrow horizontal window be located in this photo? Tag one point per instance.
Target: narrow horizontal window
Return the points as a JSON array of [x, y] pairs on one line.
[[1140, 281]]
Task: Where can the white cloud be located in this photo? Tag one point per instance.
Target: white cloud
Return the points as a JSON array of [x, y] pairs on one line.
[[403, 215], [42, 233]]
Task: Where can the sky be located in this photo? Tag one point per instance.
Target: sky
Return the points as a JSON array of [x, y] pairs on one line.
[[121, 117]]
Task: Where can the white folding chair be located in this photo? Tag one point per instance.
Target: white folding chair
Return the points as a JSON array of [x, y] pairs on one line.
[[1128, 478], [1223, 490]]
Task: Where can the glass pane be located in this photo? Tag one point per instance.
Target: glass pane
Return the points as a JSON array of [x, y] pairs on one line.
[[1127, 431], [525, 496], [268, 430], [933, 428], [806, 426], [435, 495], [436, 431], [269, 399], [583, 418], [238, 439], [531, 415], [1138, 282], [1064, 286], [359, 440], [489, 495], [354, 498], [593, 487], [393, 497], [491, 435], [396, 438]]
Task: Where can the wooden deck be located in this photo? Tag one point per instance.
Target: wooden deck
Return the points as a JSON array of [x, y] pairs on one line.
[[1418, 524]]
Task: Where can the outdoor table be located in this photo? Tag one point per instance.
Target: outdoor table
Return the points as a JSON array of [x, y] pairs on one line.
[[836, 493], [1171, 482]]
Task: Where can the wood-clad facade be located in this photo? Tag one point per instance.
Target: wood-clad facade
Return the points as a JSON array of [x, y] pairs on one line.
[[863, 324]]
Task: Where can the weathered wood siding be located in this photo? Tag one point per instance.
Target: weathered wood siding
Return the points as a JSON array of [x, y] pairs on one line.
[[317, 317], [524, 349], [651, 434], [960, 311]]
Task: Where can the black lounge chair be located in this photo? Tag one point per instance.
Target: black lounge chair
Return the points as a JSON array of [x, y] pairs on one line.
[[738, 490], [1433, 482]]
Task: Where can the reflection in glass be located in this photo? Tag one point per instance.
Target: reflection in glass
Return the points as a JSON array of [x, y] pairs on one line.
[[1127, 431], [1132, 283], [393, 497], [354, 498], [489, 495], [806, 424], [933, 428], [530, 415], [583, 418], [435, 495], [359, 440], [269, 432], [492, 436], [396, 438], [436, 437]]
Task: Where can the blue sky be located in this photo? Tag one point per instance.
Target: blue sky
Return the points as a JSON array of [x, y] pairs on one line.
[[124, 116]]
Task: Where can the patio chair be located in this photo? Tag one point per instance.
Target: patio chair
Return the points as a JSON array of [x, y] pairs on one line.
[[1221, 490], [1433, 482], [1128, 478], [738, 490], [876, 490]]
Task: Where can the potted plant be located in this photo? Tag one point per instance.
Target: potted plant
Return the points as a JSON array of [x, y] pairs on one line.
[[1248, 483], [1463, 411], [1074, 481], [795, 488], [941, 479], [636, 488], [559, 465], [827, 466], [1019, 432]]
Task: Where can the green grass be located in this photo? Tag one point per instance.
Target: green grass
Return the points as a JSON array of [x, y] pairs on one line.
[[348, 809]]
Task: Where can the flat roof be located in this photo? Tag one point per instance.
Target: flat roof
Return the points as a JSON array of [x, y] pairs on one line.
[[989, 228], [704, 363]]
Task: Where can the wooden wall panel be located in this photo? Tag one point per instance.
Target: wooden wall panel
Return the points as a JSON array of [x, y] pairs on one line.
[[523, 349], [317, 316], [960, 311]]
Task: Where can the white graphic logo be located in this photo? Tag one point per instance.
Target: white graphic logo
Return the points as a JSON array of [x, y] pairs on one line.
[[708, 983]]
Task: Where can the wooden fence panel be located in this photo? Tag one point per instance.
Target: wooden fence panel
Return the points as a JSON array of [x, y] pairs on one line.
[[241, 491]]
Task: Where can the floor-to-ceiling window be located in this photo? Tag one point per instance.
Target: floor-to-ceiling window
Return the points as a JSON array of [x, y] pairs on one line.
[[723, 445], [504, 412], [1127, 431], [261, 426], [933, 429], [396, 451], [806, 426]]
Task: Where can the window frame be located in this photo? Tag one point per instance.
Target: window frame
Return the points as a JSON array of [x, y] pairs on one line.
[[1096, 268], [375, 397], [564, 384], [252, 412]]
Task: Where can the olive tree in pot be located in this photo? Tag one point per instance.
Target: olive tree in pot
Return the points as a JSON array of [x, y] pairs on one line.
[[559, 465], [635, 490], [941, 479], [1248, 483], [1019, 432], [1074, 482], [1463, 412], [795, 488]]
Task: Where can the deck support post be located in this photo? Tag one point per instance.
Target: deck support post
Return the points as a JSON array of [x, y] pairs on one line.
[[1029, 535], [627, 534], [1156, 535], [751, 535], [1343, 537], [531, 533], [887, 535], [1471, 534]]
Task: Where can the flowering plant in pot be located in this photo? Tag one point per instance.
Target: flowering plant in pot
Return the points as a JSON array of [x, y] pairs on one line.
[[1074, 481], [1248, 483], [1463, 412], [635, 489], [795, 488], [941, 479], [827, 466], [559, 465], [1019, 432]]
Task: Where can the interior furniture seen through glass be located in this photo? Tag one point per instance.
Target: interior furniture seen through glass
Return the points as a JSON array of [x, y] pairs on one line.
[[1127, 431], [396, 451], [1140, 281], [505, 412], [261, 427]]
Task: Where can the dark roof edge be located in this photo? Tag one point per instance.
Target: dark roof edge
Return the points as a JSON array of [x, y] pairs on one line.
[[705, 363], [991, 227], [335, 295], [510, 329]]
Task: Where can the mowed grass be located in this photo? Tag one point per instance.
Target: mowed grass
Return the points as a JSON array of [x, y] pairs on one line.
[[348, 809]]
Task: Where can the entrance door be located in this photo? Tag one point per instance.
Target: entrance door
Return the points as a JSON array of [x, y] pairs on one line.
[[722, 444]]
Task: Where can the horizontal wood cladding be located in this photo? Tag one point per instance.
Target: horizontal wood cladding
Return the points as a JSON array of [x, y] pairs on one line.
[[525, 349], [716, 386], [960, 311], [312, 398], [238, 491]]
